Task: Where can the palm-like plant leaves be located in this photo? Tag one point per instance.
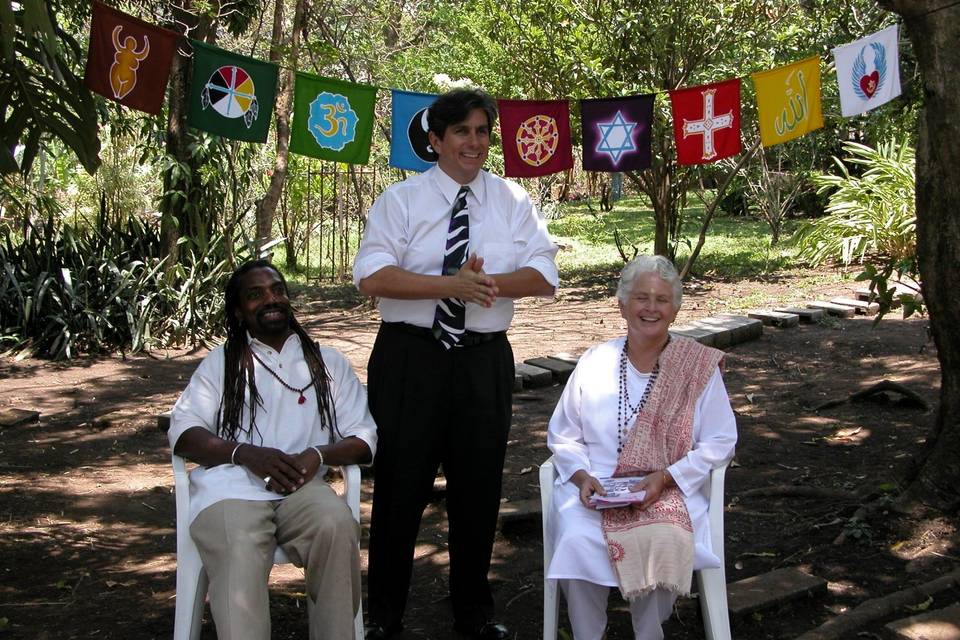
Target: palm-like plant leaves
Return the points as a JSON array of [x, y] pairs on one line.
[[873, 213], [41, 92]]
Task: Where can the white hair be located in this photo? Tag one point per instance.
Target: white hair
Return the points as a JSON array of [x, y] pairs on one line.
[[650, 264]]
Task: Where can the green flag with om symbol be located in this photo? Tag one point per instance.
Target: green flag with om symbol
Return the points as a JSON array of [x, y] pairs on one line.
[[332, 119]]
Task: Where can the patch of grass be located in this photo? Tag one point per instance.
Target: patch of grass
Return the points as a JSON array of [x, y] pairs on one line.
[[735, 247]]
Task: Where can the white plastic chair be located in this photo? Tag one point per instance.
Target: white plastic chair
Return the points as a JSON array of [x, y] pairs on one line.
[[712, 582], [192, 580]]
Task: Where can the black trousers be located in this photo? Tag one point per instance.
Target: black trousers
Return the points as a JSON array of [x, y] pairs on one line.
[[435, 406]]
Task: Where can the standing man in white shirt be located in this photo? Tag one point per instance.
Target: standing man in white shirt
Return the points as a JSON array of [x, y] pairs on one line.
[[445, 253], [263, 416]]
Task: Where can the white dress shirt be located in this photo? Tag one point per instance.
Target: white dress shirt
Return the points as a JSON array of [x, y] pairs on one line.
[[583, 435], [408, 224], [282, 423]]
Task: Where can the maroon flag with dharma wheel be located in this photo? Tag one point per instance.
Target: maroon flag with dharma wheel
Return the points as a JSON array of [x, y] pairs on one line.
[[535, 136], [128, 59]]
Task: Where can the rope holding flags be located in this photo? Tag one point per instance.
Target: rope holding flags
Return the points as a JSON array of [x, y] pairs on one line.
[[232, 95]]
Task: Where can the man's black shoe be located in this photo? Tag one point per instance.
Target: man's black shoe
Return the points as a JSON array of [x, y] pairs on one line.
[[489, 630], [379, 632]]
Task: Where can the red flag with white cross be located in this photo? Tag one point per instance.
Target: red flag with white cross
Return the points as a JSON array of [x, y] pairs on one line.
[[706, 122]]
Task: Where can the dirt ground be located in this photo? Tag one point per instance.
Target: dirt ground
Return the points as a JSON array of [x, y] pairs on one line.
[[87, 512]]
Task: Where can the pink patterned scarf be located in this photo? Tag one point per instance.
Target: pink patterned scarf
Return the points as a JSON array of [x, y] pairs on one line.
[[654, 548]]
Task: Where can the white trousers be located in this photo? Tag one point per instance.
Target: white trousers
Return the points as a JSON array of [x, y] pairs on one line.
[[587, 609]]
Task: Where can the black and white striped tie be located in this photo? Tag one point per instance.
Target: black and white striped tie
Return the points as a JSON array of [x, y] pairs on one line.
[[451, 313]]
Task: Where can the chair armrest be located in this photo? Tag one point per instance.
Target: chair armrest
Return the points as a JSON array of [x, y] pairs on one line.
[[716, 508], [351, 488]]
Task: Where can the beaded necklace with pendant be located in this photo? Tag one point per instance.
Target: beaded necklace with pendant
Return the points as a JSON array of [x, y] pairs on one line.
[[283, 382]]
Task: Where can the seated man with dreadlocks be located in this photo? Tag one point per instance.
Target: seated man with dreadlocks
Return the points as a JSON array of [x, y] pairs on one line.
[[263, 415]]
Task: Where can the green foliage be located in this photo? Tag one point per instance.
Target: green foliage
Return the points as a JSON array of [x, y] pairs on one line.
[[895, 283], [67, 289], [41, 92], [869, 214], [738, 247], [858, 530]]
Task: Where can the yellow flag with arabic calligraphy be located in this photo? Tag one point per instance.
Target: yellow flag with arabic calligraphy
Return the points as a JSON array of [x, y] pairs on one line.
[[788, 101]]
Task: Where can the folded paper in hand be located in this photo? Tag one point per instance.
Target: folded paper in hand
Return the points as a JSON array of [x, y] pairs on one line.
[[618, 493]]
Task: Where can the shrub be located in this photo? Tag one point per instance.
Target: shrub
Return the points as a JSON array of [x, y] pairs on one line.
[[870, 214], [67, 289]]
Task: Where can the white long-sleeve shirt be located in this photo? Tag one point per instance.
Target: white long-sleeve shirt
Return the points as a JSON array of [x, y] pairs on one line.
[[583, 435], [407, 228], [282, 423]]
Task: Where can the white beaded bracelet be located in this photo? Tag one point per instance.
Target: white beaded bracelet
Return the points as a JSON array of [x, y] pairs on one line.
[[319, 453], [233, 455]]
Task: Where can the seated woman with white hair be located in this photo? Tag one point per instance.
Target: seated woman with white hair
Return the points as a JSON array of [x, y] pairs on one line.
[[651, 405]]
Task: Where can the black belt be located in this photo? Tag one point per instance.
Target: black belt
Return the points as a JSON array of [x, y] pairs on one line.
[[468, 339]]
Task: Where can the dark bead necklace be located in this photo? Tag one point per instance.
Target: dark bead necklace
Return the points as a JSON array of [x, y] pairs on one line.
[[302, 398], [627, 413]]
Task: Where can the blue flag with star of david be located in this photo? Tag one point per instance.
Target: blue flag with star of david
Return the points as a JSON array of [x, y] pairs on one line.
[[616, 133], [409, 145]]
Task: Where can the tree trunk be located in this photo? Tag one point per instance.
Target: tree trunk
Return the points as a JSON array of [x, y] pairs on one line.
[[180, 182], [934, 29], [656, 184], [267, 207], [172, 206]]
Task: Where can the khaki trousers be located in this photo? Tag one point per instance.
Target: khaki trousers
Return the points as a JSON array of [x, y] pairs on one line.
[[314, 526]]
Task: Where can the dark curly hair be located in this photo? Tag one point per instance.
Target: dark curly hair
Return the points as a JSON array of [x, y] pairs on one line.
[[454, 106]]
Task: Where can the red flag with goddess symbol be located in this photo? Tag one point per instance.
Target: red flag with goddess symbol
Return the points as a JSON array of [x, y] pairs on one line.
[[535, 136], [128, 59], [706, 122]]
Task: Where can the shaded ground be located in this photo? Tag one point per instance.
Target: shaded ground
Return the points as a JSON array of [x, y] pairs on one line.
[[87, 513]]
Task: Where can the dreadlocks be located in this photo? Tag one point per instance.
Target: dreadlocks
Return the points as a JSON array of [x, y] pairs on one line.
[[238, 373]]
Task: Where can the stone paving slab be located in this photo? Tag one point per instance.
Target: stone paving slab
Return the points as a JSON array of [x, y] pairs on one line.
[[806, 315], [561, 370], [12, 417], [566, 357], [517, 382], [744, 328], [833, 309], [519, 511], [942, 624], [534, 376], [722, 333], [729, 329], [703, 336], [775, 318], [860, 306], [772, 589]]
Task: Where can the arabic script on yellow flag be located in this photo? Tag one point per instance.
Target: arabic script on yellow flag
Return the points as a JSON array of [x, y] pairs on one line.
[[788, 101]]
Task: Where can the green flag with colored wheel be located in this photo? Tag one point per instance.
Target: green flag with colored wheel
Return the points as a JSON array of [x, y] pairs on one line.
[[231, 95], [332, 119]]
